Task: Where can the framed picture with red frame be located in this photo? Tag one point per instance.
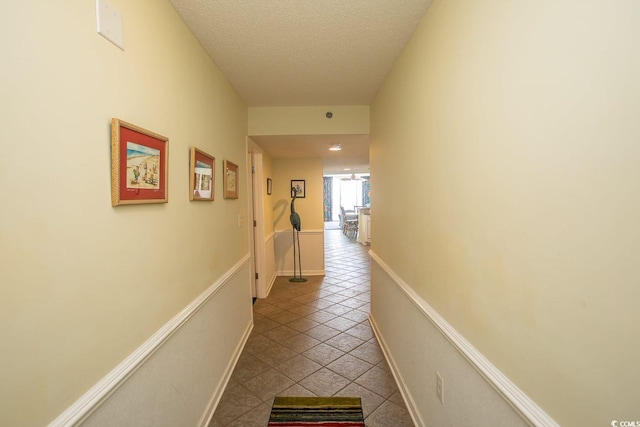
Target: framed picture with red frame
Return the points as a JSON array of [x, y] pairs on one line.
[[139, 165]]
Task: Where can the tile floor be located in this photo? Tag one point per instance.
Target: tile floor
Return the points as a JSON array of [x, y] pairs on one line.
[[314, 339]]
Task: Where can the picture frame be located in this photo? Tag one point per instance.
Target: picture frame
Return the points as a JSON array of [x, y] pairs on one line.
[[230, 180], [202, 168], [298, 184], [139, 165], [269, 186]]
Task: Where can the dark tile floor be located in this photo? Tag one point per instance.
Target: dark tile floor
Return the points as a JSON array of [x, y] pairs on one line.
[[314, 339]]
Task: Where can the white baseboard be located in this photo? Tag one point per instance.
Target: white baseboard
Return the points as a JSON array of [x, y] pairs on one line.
[[271, 282], [87, 404], [304, 273], [526, 408], [408, 399], [217, 395]]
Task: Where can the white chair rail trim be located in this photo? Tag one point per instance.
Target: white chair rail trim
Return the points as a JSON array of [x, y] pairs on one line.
[[269, 236], [215, 399], [92, 398], [301, 231], [511, 393]]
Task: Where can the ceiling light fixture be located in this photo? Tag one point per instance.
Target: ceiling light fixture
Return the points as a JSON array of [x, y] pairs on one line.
[[335, 147], [353, 177]]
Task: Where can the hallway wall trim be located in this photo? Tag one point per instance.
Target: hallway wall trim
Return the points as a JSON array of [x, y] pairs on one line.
[[164, 350], [270, 262], [312, 253], [392, 303], [219, 391]]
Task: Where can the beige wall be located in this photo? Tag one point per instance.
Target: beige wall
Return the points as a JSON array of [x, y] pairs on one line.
[[84, 284], [267, 170], [506, 141], [352, 119], [269, 235], [309, 208]]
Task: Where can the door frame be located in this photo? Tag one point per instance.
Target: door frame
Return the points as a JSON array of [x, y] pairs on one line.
[[255, 178]]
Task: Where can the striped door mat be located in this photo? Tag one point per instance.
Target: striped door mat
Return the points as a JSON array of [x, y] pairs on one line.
[[316, 411]]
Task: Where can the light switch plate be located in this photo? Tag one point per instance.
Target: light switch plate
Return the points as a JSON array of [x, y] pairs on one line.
[[109, 23]]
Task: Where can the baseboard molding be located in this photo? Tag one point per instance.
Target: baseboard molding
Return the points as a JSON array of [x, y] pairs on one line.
[[304, 273], [271, 283], [515, 397], [93, 398], [217, 395], [408, 399], [269, 242]]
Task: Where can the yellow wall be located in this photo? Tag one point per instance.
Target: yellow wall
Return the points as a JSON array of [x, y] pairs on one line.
[[505, 180], [84, 284], [346, 119], [267, 171], [309, 208]]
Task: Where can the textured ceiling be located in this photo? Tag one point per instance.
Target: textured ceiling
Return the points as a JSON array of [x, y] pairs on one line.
[[303, 52]]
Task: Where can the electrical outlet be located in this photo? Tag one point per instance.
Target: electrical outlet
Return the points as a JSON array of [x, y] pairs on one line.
[[439, 388]]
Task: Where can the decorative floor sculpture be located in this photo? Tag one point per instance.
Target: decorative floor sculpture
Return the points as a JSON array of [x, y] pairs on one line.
[[295, 222]]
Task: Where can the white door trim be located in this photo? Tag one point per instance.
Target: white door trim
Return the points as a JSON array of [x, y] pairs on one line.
[[257, 214]]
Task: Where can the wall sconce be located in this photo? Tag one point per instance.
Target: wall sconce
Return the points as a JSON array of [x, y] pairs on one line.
[[335, 147]]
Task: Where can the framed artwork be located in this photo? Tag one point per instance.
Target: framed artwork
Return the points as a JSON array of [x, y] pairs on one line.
[[297, 185], [269, 186], [139, 165], [230, 180], [201, 175]]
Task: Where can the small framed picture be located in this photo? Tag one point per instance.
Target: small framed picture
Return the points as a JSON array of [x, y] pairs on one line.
[[201, 175], [269, 186], [230, 180], [297, 187], [139, 165]]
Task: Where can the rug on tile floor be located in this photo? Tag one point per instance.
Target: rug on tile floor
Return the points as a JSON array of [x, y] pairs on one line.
[[316, 411]]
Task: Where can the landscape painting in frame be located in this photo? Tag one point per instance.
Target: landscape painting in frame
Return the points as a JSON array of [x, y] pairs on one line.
[[138, 165], [202, 173], [142, 166]]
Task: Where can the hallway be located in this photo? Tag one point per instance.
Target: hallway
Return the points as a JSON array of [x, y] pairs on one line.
[[314, 339]]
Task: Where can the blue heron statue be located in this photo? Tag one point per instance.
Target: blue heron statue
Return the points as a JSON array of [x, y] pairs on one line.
[[295, 222]]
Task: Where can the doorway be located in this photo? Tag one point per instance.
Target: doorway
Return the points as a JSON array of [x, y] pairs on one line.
[[347, 191]]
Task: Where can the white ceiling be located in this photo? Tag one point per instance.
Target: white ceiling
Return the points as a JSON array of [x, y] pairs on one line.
[[354, 155], [303, 52]]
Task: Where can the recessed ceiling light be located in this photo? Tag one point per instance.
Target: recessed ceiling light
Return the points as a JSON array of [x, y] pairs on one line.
[[335, 147]]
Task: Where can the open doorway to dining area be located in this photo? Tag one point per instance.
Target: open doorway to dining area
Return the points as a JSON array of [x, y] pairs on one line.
[[346, 198]]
